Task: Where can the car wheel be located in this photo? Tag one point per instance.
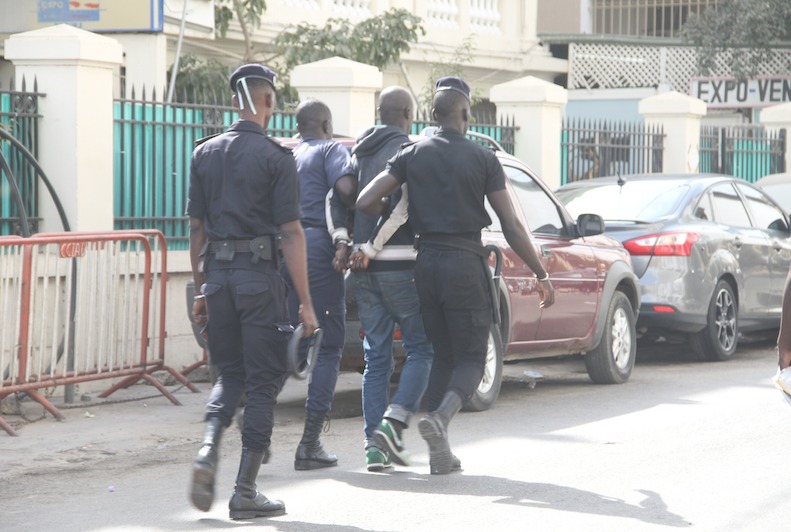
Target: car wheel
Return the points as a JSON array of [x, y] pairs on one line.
[[489, 388], [718, 340], [611, 362]]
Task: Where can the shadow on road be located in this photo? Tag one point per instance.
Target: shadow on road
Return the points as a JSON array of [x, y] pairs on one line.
[[651, 509]]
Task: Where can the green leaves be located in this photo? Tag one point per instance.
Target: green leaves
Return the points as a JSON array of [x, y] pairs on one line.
[[749, 29], [377, 41], [250, 12]]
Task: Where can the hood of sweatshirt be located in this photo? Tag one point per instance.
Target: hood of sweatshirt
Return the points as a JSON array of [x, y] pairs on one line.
[[372, 139]]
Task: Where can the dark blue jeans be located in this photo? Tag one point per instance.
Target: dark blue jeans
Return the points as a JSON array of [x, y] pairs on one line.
[[329, 301], [453, 287], [385, 299]]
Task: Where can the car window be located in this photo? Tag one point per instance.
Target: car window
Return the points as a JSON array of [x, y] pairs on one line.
[[703, 209], [728, 206], [632, 201], [766, 215], [541, 213]]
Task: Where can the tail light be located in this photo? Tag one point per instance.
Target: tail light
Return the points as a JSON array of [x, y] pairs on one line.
[[664, 244]]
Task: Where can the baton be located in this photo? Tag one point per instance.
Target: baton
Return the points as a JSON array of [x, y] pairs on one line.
[[494, 280], [298, 366]]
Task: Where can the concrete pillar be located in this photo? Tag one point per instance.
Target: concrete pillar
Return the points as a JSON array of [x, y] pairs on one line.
[[347, 87], [74, 69], [779, 117], [679, 116], [536, 107], [145, 62]]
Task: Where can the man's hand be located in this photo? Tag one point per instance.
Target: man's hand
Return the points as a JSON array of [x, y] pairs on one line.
[[359, 261], [307, 317], [546, 293], [341, 260], [200, 315]]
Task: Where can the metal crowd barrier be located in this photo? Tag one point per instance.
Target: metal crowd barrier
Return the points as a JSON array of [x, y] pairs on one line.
[[78, 307]]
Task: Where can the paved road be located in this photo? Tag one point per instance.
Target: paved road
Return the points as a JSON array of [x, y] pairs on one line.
[[682, 445]]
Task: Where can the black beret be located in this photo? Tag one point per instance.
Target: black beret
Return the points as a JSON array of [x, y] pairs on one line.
[[253, 70], [453, 83]]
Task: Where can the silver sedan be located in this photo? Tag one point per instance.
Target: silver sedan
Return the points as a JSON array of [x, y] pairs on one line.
[[712, 252]]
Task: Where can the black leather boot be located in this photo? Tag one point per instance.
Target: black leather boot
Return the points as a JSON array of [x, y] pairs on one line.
[[310, 454], [246, 502], [204, 468], [434, 429]]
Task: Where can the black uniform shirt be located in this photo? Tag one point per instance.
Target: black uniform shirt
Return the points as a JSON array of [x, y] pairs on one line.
[[243, 184], [447, 177]]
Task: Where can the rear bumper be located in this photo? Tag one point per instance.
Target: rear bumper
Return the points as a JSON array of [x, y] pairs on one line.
[[672, 321]]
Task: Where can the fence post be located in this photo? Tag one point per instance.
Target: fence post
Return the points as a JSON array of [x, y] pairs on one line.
[[74, 69], [347, 87], [536, 107], [779, 117], [679, 116]]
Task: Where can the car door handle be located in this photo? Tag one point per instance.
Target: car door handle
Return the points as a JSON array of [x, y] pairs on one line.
[[776, 246], [546, 251], [737, 242]]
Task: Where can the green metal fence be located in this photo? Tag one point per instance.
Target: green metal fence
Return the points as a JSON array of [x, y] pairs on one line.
[[748, 151], [503, 132], [153, 148], [18, 117]]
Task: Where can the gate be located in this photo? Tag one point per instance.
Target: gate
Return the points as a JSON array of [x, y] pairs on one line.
[[80, 307], [748, 152], [596, 148]]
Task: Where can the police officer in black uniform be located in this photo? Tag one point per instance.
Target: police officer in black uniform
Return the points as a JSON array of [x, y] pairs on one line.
[[243, 194], [447, 178]]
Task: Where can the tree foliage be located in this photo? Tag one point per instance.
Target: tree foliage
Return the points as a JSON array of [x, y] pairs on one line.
[[454, 66], [248, 14], [377, 41], [748, 29], [201, 77]]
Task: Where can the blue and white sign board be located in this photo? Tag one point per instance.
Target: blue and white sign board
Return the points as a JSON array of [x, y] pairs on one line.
[[92, 15]]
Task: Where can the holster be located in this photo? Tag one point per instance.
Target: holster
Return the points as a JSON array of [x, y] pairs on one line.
[[482, 252]]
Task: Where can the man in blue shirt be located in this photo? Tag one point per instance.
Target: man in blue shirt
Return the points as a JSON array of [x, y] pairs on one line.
[[324, 168]]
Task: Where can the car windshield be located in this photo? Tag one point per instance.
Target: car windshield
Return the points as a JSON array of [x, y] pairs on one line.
[[634, 201]]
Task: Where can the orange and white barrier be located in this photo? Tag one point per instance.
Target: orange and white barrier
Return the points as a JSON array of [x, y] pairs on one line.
[[77, 307]]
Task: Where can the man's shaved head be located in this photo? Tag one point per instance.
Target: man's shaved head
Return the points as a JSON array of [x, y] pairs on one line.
[[449, 103], [311, 115], [395, 105]]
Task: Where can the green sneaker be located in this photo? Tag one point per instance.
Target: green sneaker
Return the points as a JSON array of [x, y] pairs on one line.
[[376, 459], [388, 436]]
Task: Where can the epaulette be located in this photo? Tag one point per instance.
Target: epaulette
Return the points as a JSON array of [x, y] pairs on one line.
[[408, 144], [276, 143], [204, 139]]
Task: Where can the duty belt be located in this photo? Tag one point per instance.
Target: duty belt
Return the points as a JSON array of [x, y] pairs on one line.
[[262, 248]]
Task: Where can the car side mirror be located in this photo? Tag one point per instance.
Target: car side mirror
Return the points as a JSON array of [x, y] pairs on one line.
[[590, 224]]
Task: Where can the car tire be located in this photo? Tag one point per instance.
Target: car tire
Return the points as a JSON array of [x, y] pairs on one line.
[[486, 394], [718, 340], [611, 361]]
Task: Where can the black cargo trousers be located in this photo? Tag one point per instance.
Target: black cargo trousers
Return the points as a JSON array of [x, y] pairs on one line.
[[246, 303], [453, 288]]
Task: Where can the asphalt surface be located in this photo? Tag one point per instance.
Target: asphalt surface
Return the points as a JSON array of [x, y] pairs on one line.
[[681, 445]]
